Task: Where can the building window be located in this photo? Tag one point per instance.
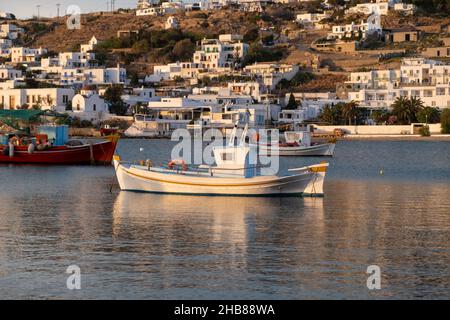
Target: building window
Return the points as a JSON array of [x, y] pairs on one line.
[[94, 107]]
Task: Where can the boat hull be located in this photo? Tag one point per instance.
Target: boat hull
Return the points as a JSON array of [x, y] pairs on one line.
[[308, 182], [321, 150], [99, 153]]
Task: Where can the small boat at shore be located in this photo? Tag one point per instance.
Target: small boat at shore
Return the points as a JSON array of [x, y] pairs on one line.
[[298, 144], [233, 175], [42, 149], [50, 144]]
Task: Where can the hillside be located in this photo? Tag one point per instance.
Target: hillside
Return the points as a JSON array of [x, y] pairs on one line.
[[105, 26]]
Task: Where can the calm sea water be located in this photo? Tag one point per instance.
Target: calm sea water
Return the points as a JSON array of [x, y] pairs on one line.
[[131, 245]]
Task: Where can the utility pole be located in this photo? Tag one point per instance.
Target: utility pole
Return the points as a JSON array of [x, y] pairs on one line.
[[38, 11], [57, 9], [113, 5], [107, 5]]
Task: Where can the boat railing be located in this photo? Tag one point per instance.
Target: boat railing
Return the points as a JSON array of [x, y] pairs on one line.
[[196, 170]]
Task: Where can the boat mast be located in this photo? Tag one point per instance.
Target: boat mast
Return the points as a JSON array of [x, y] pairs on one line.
[[244, 134]]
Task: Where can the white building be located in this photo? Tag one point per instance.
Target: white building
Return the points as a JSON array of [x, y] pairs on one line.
[[139, 96], [254, 5], [251, 88], [6, 43], [380, 8], [171, 23], [171, 71], [26, 55], [6, 15], [417, 77], [405, 8], [307, 18], [363, 29], [152, 11], [89, 105], [224, 52], [9, 73], [45, 98], [10, 31], [90, 45], [75, 59], [93, 76], [272, 74], [310, 106]]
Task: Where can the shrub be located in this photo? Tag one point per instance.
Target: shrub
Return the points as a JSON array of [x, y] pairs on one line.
[[425, 131], [445, 121]]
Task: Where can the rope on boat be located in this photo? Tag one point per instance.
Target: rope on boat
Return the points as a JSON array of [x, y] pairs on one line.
[[91, 150]]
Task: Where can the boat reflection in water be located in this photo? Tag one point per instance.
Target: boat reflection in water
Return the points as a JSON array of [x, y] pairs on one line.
[[195, 243]]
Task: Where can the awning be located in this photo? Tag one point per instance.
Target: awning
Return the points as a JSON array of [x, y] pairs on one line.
[[25, 115]]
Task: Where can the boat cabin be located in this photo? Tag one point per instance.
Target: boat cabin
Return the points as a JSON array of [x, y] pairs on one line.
[[235, 161], [300, 137]]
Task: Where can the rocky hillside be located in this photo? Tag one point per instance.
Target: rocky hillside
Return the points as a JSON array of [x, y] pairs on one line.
[[105, 26]]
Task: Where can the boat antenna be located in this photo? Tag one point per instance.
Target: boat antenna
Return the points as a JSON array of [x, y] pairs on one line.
[[233, 135]]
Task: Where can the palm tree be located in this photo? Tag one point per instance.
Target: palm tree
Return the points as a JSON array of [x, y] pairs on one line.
[[406, 109], [350, 111], [331, 114]]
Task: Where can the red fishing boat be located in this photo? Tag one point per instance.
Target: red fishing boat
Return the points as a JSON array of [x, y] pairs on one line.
[[99, 153], [50, 144]]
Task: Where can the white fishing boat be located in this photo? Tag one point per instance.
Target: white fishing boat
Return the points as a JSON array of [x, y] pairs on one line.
[[298, 144], [233, 174], [148, 127]]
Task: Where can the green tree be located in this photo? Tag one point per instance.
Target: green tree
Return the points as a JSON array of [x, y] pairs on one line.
[[332, 114], [380, 116], [429, 115], [406, 109], [350, 111], [113, 97], [445, 121], [292, 104]]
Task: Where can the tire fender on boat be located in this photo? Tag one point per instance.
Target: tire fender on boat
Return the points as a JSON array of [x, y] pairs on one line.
[[178, 162]]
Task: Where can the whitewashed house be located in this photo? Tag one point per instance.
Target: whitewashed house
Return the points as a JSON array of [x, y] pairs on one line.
[[93, 76], [9, 73], [85, 48], [405, 8], [380, 8], [311, 18], [224, 52], [10, 31], [364, 29], [171, 23], [45, 98], [75, 59], [271, 74], [171, 71], [26, 55], [89, 105], [141, 96]]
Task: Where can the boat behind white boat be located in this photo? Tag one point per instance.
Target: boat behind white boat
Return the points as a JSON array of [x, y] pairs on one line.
[[298, 144]]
